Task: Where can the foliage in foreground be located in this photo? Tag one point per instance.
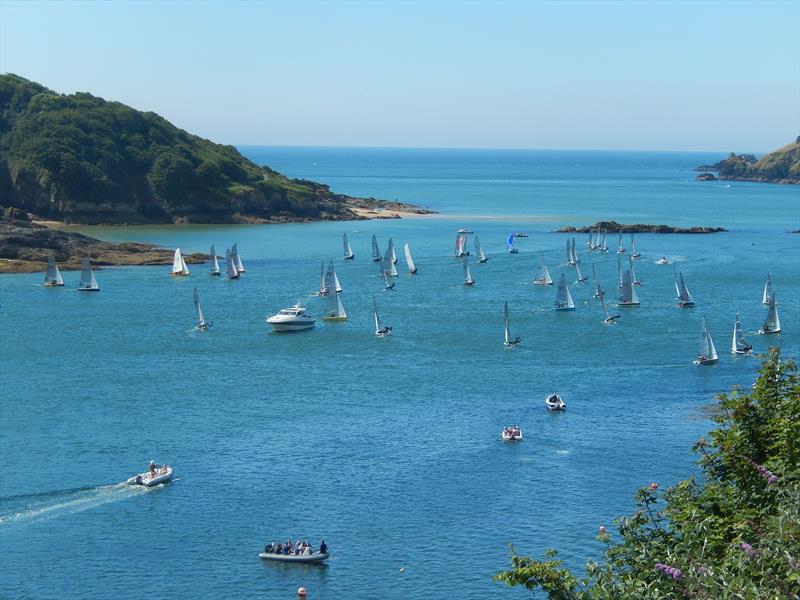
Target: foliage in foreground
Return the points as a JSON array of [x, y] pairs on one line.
[[735, 534]]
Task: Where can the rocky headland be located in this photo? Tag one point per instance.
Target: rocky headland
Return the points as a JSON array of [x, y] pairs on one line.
[[780, 166]]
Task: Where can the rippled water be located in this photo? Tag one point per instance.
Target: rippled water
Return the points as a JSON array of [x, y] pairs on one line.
[[388, 448]]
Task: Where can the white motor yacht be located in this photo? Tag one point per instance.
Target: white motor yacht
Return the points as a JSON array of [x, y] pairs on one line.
[[293, 318]]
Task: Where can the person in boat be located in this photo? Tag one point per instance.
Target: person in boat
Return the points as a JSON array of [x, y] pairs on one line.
[[323, 547], [153, 466], [516, 341], [268, 549], [139, 480]]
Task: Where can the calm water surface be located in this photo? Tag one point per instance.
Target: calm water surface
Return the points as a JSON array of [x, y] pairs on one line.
[[388, 448]]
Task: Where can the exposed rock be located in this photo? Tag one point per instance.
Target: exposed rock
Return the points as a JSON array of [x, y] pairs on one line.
[[614, 227], [706, 177]]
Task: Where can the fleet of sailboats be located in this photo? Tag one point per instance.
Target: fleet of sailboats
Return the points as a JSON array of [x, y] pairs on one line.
[[215, 270], [348, 251], [87, 283], [563, 297], [412, 268], [509, 341], [52, 278], [179, 268], [707, 354], [202, 324]]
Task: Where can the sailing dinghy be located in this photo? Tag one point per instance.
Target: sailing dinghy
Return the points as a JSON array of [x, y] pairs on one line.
[[335, 309], [620, 247], [581, 277], [766, 297], [230, 266], [237, 260], [468, 280], [570, 262], [684, 297], [636, 280], [412, 268], [597, 290], [479, 251], [389, 285], [634, 252], [215, 270], [627, 294], [179, 268], [461, 245], [88, 283], [334, 279], [324, 288], [53, 276], [348, 251], [739, 345], [510, 244], [392, 254], [772, 324], [381, 330], [202, 324], [543, 275], [563, 297], [707, 354], [609, 320], [376, 253], [509, 342]]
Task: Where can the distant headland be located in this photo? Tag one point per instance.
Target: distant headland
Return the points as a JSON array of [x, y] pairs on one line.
[[780, 166], [81, 159], [614, 227]]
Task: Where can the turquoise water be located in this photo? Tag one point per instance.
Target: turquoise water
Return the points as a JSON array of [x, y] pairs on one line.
[[388, 448]]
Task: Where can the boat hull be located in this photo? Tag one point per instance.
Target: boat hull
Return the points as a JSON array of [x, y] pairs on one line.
[[147, 481], [286, 327], [53, 284], [711, 361], [294, 558], [88, 289]]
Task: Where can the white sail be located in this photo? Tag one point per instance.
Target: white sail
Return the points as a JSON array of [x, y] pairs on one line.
[[634, 253], [684, 297], [53, 276], [604, 247], [627, 294], [543, 275], [597, 290], [581, 277], [772, 324], [230, 266], [324, 278], [739, 344], [620, 247], [636, 280], [177, 263], [412, 268], [766, 297], [590, 243], [392, 254], [335, 310], [348, 251], [376, 316], [461, 244], [376, 253], [505, 323], [468, 280], [563, 297], [602, 297], [87, 283], [570, 262], [388, 264], [575, 258], [201, 320], [184, 268], [336, 285], [707, 353], [619, 271], [214, 262], [479, 251], [237, 260]]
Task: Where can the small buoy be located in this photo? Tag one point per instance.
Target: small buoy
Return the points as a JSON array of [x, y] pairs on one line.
[[301, 592], [402, 569]]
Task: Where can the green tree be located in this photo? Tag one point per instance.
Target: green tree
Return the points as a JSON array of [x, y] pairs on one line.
[[733, 534]]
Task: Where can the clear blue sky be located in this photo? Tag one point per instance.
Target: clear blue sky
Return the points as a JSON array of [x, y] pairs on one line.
[[608, 75]]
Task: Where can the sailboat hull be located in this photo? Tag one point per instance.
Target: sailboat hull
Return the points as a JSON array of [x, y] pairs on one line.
[[351, 257], [628, 304], [53, 284], [705, 361], [687, 304], [80, 289]]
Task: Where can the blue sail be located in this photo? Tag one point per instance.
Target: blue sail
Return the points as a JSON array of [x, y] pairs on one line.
[[510, 240]]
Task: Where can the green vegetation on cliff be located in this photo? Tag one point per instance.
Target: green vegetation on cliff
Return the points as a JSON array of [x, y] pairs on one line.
[[82, 159], [780, 166]]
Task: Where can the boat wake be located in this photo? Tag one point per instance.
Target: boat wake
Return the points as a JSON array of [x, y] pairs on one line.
[[26, 508]]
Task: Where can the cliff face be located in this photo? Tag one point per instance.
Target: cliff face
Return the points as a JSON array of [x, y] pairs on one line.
[[80, 159], [780, 166]]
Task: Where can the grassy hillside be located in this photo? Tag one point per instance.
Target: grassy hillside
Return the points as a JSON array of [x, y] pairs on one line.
[[82, 159]]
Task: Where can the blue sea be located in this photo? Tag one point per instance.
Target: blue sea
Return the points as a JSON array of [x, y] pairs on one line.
[[389, 449]]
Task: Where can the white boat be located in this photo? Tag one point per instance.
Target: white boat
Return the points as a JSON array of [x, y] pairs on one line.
[[554, 402], [636, 280], [335, 309], [153, 476], [461, 245], [392, 254], [574, 253], [766, 297], [468, 280], [543, 275], [179, 268], [627, 294], [380, 329], [570, 262], [52, 278], [388, 263], [463, 230], [323, 280], [684, 297], [604, 247], [597, 290], [663, 261], [348, 251], [620, 247], [293, 318], [563, 297], [610, 319], [581, 277], [230, 265], [412, 268], [202, 324], [739, 345], [215, 270], [511, 434], [316, 557], [87, 283], [479, 251], [509, 341], [510, 244], [237, 260], [707, 354], [335, 279], [772, 324], [376, 253], [634, 252], [520, 234]]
